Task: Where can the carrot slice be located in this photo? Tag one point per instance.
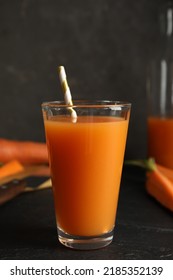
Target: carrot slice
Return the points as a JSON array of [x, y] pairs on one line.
[[159, 181], [160, 187], [10, 168]]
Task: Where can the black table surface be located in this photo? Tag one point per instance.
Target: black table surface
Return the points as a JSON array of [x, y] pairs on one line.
[[144, 229]]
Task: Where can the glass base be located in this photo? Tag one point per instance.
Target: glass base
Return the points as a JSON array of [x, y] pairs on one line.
[[85, 242]]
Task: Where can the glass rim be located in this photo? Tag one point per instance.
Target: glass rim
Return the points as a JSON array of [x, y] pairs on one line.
[[87, 103]]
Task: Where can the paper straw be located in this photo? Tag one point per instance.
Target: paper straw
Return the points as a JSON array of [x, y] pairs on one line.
[[67, 93]]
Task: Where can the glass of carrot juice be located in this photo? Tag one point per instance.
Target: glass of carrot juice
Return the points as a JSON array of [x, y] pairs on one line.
[[160, 112], [86, 158]]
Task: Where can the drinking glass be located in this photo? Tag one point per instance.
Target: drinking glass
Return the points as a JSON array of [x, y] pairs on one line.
[[160, 93], [86, 158]]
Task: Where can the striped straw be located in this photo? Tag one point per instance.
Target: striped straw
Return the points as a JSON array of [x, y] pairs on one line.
[[67, 93]]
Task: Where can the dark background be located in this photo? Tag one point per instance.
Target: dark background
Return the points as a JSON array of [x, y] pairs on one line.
[[104, 45]]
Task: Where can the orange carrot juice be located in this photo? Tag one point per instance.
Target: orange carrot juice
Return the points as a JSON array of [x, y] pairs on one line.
[[160, 140], [86, 161]]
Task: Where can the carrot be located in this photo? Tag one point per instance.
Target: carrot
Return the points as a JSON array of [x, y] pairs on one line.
[[10, 168], [166, 171], [27, 152], [160, 187], [159, 182]]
